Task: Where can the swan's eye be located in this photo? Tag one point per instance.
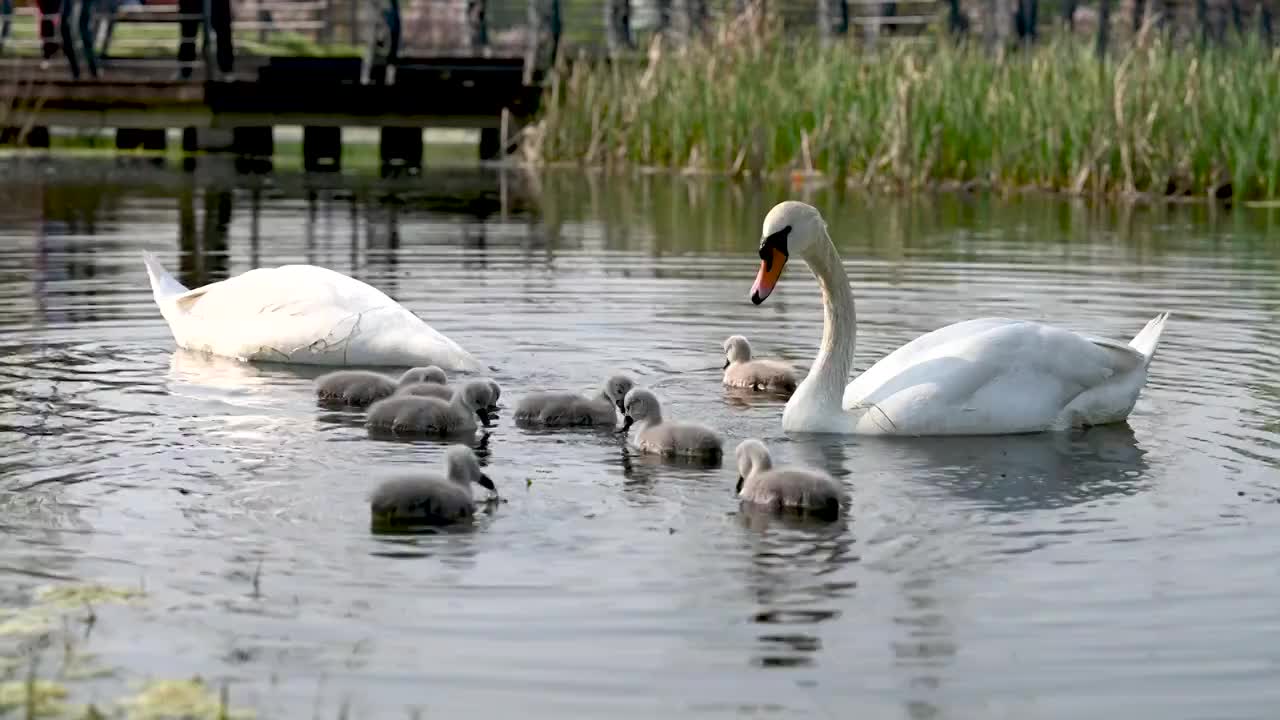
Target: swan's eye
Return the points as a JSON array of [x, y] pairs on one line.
[[776, 241]]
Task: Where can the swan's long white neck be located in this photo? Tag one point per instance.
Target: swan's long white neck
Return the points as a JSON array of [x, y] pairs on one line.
[[823, 389]]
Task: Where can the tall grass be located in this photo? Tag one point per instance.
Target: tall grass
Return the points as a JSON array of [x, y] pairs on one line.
[[1157, 118]]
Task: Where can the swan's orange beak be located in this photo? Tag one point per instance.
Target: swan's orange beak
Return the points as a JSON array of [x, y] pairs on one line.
[[770, 271]]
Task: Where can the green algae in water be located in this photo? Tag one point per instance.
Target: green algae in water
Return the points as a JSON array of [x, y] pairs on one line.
[[53, 600], [43, 697], [179, 699], [87, 594], [35, 621]]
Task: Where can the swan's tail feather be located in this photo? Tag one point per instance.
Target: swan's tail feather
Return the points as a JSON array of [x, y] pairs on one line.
[[163, 285], [1148, 339]]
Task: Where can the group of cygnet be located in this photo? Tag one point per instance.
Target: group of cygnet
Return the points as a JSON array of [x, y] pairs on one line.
[[422, 403]]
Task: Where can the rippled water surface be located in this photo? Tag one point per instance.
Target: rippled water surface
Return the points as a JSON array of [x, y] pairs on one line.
[[1127, 571]]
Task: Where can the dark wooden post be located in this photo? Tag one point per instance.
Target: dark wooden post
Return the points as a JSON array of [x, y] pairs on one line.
[[207, 38], [1237, 17], [477, 24], [6, 19], [663, 8], [617, 23], [1202, 19], [833, 17], [1104, 26], [1025, 20], [1139, 10], [957, 21], [690, 18], [1069, 13], [544, 36], [321, 148], [401, 150], [1265, 21]]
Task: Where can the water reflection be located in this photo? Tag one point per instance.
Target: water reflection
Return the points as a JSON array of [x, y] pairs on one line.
[[790, 559], [1024, 472], [128, 458]]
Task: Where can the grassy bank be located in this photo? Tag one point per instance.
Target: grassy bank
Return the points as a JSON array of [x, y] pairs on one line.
[[1153, 119]]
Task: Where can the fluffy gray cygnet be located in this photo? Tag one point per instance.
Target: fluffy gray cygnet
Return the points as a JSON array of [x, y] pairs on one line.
[[801, 489], [663, 437], [362, 388], [418, 415], [430, 498], [741, 371], [566, 409]]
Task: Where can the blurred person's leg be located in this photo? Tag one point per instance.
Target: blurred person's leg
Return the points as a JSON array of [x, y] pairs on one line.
[[189, 28]]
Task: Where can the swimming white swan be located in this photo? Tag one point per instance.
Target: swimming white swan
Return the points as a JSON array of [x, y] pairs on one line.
[[567, 409], [740, 370], [988, 376], [300, 314], [430, 498], [663, 437], [800, 489]]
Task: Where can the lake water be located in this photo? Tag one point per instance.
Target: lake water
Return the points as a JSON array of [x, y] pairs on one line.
[[1124, 571]]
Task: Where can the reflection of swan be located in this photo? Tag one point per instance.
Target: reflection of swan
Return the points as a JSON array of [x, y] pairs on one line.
[[989, 376], [200, 368], [300, 314], [1023, 472]]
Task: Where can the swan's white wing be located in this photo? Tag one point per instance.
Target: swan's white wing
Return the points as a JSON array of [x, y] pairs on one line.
[[987, 375]]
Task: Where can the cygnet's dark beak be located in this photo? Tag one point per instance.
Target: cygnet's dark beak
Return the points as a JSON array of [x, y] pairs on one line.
[[486, 483], [738, 489], [726, 364], [627, 422]]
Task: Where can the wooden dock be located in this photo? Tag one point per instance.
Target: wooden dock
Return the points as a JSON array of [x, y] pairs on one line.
[[473, 64], [439, 92]]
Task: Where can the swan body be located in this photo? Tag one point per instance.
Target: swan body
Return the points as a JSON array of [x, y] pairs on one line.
[[361, 388], [431, 499], [300, 314], [802, 489], [418, 415], [741, 370], [565, 409], [662, 437], [989, 376]]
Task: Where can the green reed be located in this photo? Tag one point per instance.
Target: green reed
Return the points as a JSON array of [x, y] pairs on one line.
[[1153, 118]]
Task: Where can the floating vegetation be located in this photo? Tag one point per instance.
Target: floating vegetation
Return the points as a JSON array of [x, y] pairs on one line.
[[34, 698], [86, 594], [180, 700]]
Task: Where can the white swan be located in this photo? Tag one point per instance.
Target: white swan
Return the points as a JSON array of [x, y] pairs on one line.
[[989, 376], [300, 314]]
